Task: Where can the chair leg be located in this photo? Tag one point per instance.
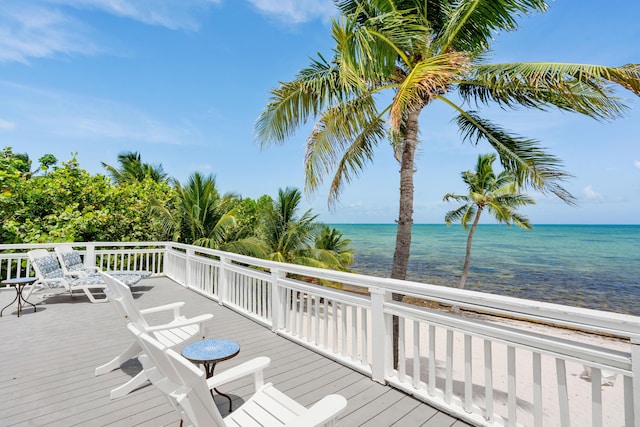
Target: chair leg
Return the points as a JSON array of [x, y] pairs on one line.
[[129, 386], [89, 295], [131, 352]]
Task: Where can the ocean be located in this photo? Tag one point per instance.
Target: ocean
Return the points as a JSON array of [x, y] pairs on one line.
[[591, 266]]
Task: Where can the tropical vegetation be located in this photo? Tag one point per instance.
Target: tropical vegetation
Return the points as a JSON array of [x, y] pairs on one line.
[[138, 202], [498, 194]]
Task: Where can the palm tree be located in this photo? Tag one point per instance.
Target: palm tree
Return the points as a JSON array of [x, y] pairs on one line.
[[133, 169], [204, 217], [422, 52], [333, 240], [291, 239], [498, 194]]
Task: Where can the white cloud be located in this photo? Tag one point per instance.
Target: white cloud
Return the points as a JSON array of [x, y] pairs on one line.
[[591, 194], [637, 164], [7, 125], [173, 14], [296, 11], [31, 31], [55, 114]]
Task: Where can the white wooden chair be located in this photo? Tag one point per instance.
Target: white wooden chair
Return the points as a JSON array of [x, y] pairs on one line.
[[187, 387], [51, 277], [178, 330], [73, 266]]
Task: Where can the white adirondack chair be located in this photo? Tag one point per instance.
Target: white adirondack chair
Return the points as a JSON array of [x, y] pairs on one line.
[[178, 330], [267, 407], [51, 277], [73, 266]]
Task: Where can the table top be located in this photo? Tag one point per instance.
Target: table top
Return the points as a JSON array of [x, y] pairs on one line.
[[209, 351], [19, 281]]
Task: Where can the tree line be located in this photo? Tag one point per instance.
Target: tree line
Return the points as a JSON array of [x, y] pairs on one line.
[[137, 201]]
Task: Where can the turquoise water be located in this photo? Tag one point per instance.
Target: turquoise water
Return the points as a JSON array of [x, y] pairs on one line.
[[592, 266]]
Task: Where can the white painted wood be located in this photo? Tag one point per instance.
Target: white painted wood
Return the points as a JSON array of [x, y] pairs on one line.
[[511, 386], [402, 357], [537, 389], [379, 298], [563, 392], [354, 333], [365, 336], [628, 401], [468, 377], [416, 353], [635, 362], [488, 381], [596, 398], [448, 388], [432, 361]]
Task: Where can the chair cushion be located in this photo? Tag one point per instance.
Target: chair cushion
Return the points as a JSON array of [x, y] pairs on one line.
[[49, 267], [72, 261]]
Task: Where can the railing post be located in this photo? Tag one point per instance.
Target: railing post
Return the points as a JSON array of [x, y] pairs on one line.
[[635, 369], [187, 272], [380, 330], [277, 300], [223, 281], [90, 256]]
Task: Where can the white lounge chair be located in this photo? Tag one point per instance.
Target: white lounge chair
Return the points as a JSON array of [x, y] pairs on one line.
[[73, 266], [51, 277], [169, 334], [187, 387]]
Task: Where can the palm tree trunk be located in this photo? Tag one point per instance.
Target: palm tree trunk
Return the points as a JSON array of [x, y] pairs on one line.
[[467, 258], [405, 215]]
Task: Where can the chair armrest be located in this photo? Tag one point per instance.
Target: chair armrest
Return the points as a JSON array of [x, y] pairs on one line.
[[254, 366], [175, 306], [323, 411], [180, 322]]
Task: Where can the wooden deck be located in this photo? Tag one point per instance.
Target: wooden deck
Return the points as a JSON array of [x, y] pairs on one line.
[[48, 360]]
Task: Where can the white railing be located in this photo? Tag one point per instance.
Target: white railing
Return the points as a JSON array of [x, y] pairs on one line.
[[501, 361]]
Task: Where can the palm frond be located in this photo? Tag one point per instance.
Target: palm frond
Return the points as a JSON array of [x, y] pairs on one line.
[[292, 103], [529, 162], [428, 79], [472, 24], [352, 123], [586, 89]]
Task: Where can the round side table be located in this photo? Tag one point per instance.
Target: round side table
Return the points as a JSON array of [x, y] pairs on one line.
[[18, 283]]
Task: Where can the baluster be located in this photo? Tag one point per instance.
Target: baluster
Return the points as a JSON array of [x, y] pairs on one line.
[[468, 377], [488, 381], [402, 357], [416, 353], [364, 333], [596, 397], [448, 391], [537, 390], [563, 392], [511, 385], [431, 388]]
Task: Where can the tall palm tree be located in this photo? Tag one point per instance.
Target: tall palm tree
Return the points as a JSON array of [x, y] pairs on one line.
[[497, 194], [133, 169], [204, 217], [425, 52], [291, 239]]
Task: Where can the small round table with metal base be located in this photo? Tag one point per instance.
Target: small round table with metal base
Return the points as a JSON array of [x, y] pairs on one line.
[[19, 283], [208, 353]]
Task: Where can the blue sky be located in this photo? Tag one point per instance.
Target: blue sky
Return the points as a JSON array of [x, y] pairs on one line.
[[182, 82]]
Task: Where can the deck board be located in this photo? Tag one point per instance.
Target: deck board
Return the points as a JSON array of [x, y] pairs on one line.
[[49, 358]]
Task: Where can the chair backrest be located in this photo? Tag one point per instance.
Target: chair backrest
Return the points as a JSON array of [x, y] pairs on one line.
[[195, 398], [120, 295], [184, 383], [47, 267], [157, 367], [70, 259]]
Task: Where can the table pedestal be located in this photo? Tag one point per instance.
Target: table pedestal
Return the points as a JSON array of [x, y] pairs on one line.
[[19, 283]]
